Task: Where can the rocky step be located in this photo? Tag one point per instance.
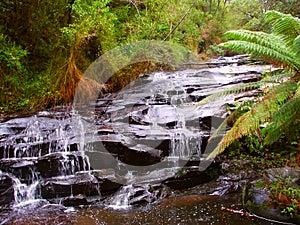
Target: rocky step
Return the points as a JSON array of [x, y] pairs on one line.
[[34, 149], [93, 183]]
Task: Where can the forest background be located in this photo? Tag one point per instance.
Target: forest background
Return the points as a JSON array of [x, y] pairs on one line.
[[45, 46]]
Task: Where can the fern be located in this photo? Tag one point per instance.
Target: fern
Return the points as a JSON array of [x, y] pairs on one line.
[[296, 45], [262, 39], [261, 112], [286, 26], [297, 93], [279, 108], [267, 52], [245, 87], [282, 120], [230, 120]]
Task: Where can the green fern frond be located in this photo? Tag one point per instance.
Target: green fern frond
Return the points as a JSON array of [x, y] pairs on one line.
[[283, 24], [245, 87], [296, 45], [259, 50], [263, 39], [282, 120], [230, 119], [261, 112], [219, 131], [234, 90], [297, 92]]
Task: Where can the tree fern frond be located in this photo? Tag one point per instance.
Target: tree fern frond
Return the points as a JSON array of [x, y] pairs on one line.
[[296, 45], [245, 87], [230, 119], [281, 121], [234, 90], [259, 50], [297, 92], [283, 24], [263, 39], [221, 129], [261, 112]]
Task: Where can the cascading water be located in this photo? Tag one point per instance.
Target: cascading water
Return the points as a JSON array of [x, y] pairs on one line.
[[43, 148], [131, 151]]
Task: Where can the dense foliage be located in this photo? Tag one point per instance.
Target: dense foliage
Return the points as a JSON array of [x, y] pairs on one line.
[[276, 113], [47, 45]]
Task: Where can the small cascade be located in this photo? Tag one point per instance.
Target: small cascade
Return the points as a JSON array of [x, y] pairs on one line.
[[138, 143], [23, 192], [42, 148], [134, 194], [121, 200]]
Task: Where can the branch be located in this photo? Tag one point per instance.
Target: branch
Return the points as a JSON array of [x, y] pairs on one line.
[[180, 21]]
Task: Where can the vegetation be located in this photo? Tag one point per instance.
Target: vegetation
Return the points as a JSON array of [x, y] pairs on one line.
[[46, 46], [276, 113], [286, 195]]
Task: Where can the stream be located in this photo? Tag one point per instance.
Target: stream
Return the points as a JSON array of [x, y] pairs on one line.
[[133, 157]]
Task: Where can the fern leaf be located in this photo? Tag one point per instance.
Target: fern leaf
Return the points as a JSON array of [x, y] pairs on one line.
[[259, 50], [245, 87], [296, 45], [284, 25], [263, 39], [297, 92], [261, 112], [234, 90], [282, 120], [230, 120]]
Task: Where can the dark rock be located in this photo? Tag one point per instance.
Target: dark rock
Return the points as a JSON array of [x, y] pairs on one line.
[[6, 190], [109, 182], [142, 155], [193, 176], [35, 149], [258, 199], [61, 163], [72, 185], [24, 169], [101, 160], [138, 155], [138, 195], [74, 201]]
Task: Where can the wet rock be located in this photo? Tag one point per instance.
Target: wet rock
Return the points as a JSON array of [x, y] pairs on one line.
[[161, 143], [142, 155], [109, 182], [137, 155], [36, 149], [24, 169], [74, 201], [148, 194], [61, 163], [6, 190], [137, 195], [258, 199], [193, 176], [72, 185], [101, 160]]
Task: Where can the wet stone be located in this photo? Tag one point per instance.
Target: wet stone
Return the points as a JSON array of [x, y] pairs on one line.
[[258, 198], [109, 182], [101, 160], [62, 163], [24, 169], [192, 176], [6, 190], [74, 201], [79, 184]]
